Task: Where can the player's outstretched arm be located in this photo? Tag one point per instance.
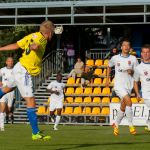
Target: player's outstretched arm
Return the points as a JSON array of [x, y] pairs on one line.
[[136, 89], [107, 76], [13, 46]]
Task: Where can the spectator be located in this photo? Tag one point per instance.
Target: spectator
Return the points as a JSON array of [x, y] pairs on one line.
[[78, 68], [70, 55], [87, 75]]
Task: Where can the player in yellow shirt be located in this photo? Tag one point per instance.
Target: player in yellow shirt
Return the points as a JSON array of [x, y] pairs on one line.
[[29, 65]]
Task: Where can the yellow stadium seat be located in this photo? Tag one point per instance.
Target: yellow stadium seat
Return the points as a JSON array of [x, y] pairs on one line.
[[69, 99], [86, 110], [97, 90], [105, 111], [106, 90], [134, 100], [87, 100], [98, 62], [96, 110], [141, 101], [41, 110], [98, 72], [104, 72], [90, 62], [105, 100], [77, 80], [98, 81], [68, 110], [105, 62], [70, 90], [112, 82], [79, 90], [70, 81], [78, 100], [77, 110], [96, 100], [88, 90], [47, 111], [104, 80], [115, 100]]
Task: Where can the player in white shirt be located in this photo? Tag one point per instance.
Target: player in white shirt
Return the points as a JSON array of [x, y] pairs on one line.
[[6, 101], [142, 73], [56, 88], [123, 83]]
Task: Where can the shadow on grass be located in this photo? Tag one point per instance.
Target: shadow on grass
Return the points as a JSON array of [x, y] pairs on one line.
[[76, 146]]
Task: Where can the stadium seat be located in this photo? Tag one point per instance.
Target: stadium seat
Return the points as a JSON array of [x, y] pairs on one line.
[[86, 110], [96, 100], [105, 100], [70, 81], [41, 110], [87, 100], [68, 110], [78, 81], [90, 62], [96, 110], [97, 90], [134, 100], [106, 90], [112, 82], [104, 72], [98, 62], [105, 111], [79, 90], [88, 90], [70, 90], [47, 111], [98, 71], [105, 62], [69, 99], [115, 100], [78, 100], [98, 81], [104, 80], [77, 110]]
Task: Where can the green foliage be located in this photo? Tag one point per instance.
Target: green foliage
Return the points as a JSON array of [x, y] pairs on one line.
[[11, 35]]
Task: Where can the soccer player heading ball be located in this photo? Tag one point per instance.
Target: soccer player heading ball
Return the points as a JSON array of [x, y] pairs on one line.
[[33, 46]]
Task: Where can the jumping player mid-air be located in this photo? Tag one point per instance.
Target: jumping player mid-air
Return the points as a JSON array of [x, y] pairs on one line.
[[33, 46]]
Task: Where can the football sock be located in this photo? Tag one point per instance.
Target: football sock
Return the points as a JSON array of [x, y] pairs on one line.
[[57, 121], [129, 115], [2, 119], [120, 116], [31, 113]]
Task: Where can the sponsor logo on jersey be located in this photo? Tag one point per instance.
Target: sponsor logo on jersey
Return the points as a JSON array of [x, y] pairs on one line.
[[145, 73], [120, 70], [118, 64], [129, 62]]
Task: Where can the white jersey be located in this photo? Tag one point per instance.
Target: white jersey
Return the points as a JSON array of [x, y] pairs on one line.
[[122, 64], [56, 86], [142, 73], [7, 75]]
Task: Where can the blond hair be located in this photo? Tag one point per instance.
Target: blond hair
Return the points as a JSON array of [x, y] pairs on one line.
[[47, 26]]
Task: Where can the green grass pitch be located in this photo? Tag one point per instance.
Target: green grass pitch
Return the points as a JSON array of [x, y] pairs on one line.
[[18, 137]]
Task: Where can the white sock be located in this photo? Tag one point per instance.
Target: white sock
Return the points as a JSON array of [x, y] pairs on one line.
[[120, 116], [129, 115], [57, 121], [2, 119]]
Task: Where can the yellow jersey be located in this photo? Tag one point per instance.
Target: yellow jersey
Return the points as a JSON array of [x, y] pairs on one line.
[[32, 59]]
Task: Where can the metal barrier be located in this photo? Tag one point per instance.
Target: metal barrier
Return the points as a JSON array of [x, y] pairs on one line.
[[52, 63]]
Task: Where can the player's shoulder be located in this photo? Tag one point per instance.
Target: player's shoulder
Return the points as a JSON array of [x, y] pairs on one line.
[[3, 69], [133, 57], [115, 56]]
